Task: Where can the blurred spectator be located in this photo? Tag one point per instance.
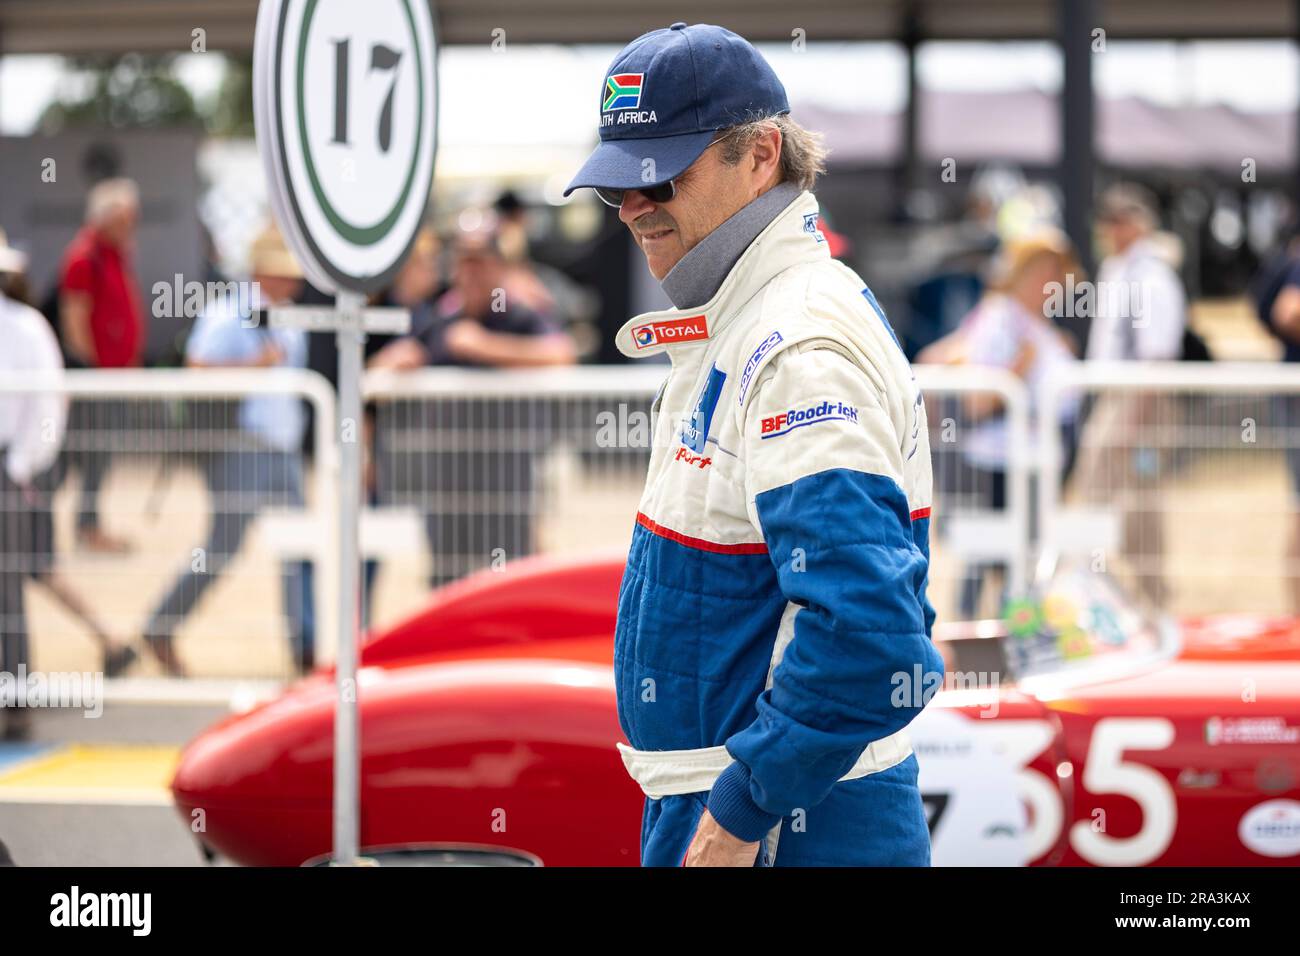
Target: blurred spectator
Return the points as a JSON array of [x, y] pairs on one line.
[[266, 469], [1012, 327], [1141, 307], [476, 323], [41, 418], [1276, 292], [419, 281], [25, 451], [103, 326], [521, 282], [417, 285], [1141, 316]]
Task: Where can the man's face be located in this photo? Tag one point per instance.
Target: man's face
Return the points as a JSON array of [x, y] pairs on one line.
[[118, 227], [708, 194], [418, 277], [278, 289], [478, 274], [1119, 232]]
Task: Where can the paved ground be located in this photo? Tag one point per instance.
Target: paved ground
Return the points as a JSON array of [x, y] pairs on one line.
[[237, 630], [94, 792]]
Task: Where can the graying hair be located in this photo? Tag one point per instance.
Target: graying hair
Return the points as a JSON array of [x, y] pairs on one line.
[[803, 152], [109, 195]]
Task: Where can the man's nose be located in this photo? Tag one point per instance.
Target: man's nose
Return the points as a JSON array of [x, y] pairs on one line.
[[635, 205]]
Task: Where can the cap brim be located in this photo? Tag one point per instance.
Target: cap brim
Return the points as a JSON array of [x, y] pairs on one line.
[[620, 163]]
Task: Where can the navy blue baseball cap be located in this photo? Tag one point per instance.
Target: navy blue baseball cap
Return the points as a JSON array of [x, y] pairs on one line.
[[666, 95]]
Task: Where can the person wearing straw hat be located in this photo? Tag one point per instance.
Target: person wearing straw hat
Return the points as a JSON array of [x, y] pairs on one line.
[[265, 468]]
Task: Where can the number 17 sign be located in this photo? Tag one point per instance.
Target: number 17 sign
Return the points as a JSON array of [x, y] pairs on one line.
[[345, 97]]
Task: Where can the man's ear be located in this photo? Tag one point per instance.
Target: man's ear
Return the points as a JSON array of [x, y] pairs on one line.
[[766, 156]]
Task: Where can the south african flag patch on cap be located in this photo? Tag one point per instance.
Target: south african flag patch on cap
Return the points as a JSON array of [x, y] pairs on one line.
[[622, 92]]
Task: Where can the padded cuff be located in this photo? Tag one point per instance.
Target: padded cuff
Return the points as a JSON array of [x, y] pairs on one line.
[[732, 806]]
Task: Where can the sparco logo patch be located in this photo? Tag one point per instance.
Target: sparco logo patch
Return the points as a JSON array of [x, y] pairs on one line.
[[689, 329], [763, 348], [798, 417]]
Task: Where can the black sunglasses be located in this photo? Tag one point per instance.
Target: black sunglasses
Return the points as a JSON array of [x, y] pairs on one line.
[[662, 193], [659, 193]]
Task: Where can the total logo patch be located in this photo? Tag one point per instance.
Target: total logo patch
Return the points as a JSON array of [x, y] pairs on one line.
[[666, 332], [786, 422], [1272, 828]]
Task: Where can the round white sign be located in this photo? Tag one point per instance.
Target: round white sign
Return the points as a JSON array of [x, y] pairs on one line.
[[345, 103]]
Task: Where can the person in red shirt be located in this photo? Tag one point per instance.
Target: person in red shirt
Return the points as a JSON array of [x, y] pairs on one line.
[[102, 325]]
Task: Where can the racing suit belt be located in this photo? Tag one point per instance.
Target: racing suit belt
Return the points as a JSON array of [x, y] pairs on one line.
[[664, 773]]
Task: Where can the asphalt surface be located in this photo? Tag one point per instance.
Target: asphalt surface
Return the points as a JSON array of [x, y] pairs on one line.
[[92, 792]]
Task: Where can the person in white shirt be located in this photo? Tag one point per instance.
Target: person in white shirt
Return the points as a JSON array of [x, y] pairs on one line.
[[32, 427], [27, 422], [1141, 315], [1141, 309]]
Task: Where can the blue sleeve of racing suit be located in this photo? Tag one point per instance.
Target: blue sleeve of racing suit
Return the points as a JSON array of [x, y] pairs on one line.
[[828, 493]]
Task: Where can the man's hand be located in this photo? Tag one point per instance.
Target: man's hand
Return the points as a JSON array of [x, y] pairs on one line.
[[1286, 313], [74, 322], [402, 355], [270, 356], [714, 846], [468, 341]]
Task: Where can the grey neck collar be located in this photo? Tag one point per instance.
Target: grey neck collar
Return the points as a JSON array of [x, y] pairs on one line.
[[699, 273]]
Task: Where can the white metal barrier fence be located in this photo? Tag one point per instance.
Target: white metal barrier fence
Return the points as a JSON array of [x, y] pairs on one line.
[[468, 469], [472, 468], [1183, 482], [981, 455], [226, 526], [475, 468]]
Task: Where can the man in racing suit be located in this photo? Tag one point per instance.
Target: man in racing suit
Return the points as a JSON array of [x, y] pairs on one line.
[[773, 637]]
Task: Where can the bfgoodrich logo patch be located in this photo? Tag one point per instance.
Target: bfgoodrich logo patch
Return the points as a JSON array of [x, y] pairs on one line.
[[786, 422]]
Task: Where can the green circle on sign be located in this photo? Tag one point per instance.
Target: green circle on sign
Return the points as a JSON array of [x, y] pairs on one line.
[[361, 235]]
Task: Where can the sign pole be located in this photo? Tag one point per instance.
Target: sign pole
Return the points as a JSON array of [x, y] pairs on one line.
[[349, 167], [347, 791]]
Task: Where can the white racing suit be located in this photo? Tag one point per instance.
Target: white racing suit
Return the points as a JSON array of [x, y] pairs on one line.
[[773, 637]]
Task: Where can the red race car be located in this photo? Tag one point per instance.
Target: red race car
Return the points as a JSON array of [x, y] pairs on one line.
[[1081, 730]]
